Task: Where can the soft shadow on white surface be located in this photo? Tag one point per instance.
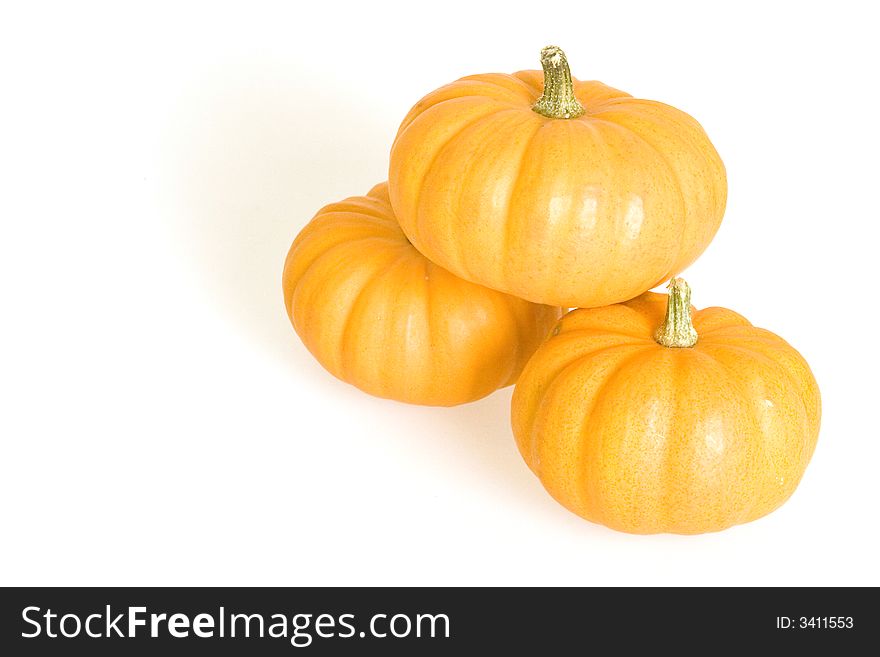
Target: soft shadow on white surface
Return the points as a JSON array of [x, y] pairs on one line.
[[475, 442], [251, 151], [249, 155]]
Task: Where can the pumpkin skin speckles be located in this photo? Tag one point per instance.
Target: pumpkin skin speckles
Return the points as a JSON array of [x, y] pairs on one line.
[[646, 438], [582, 211]]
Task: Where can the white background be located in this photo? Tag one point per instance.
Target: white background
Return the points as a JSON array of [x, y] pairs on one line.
[[162, 424]]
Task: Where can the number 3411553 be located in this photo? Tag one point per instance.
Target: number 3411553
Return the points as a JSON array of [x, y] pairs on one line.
[[814, 622]]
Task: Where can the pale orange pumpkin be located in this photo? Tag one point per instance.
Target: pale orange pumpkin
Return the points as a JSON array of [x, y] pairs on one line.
[[377, 314], [700, 424], [558, 191]]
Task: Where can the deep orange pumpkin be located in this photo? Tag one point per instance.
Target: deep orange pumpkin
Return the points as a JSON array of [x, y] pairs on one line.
[[690, 427], [555, 190], [377, 314]]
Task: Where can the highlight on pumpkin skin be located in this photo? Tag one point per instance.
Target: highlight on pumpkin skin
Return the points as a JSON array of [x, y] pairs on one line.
[[644, 437], [380, 316], [554, 189]]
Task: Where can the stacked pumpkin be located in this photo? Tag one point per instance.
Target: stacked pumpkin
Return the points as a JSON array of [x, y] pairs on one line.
[[510, 199]]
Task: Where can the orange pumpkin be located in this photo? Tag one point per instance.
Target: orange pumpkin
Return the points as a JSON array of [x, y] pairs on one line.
[[562, 192], [701, 424], [377, 314]]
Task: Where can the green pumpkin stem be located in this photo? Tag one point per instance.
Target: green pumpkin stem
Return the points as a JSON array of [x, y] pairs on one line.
[[677, 330], [558, 100]]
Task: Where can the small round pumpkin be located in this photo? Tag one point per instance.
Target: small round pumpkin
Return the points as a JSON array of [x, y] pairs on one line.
[[562, 192], [700, 424], [378, 314]]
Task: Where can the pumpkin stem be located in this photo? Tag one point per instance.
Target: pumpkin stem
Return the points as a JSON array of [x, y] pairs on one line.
[[677, 330], [558, 100]]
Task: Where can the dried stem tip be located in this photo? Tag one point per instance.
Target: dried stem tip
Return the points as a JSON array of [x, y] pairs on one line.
[[677, 330], [558, 100]]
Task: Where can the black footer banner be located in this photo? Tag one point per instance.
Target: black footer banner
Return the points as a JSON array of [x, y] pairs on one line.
[[432, 621]]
